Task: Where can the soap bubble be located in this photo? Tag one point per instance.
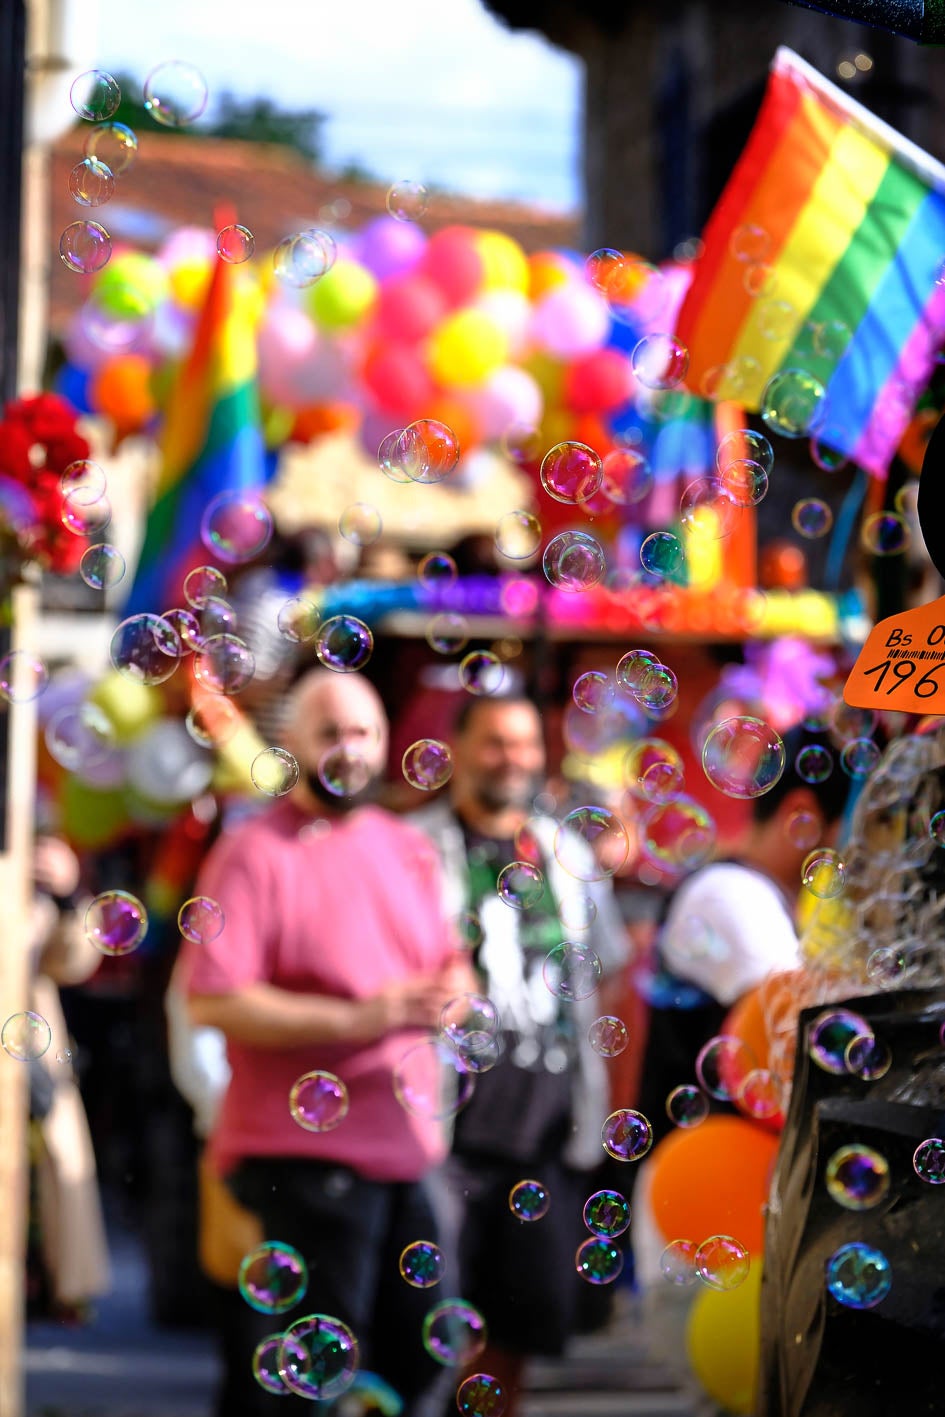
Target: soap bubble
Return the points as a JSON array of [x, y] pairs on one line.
[[811, 517], [744, 445], [447, 633], [481, 1395], [793, 403], [481, 673], [273, 1277], [743, 482], [268, 1359], [626, 477], [95, 95], [518, 535], [302, 259], [687, 1105], [91, 182], [574, 561], [829, 1036], [116, 922], [606, 270], [859, 757], [814, 763], [202, 584], [660, 361], [422, 1264], [225, 664], [318, 1101], [608, 1036], [343, 771], [212, 720], [23, 677], [722, 1065], [78, 735], [468, 1016], [599, 1261], [577, 913], [626, 1135], [706, 510], [605, 840], [885, 534], [344, 643], [743, 757], [426, 451], [654, 771], [529, 1200], [145, 649], [749, 243], [360, 524], [662, 554], [520, 885], [759, 1095], [319, 1357], [571, 472], [431, 1080], [592, 691], [274, 771], [928, 1161], [571, 971], [200, 919], [868, 1058], [454, 1333], [427, 764], [175, 93], [858, 1276], [298, 619], [25, 1036], [658, 690], [722, 1262], [823, 873], [522, 444], [235, 244], [777, 320], [633, 668], [679, 835], [857, 1177], [236, 526], [84, 518], [114, 144], [678, 1262], [85, 247], [607, 1213], [102, 566], [407, 201]]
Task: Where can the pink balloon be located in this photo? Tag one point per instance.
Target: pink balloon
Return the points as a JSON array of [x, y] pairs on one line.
[[572, 319], [287, 341], [512, 312], [510, 398]]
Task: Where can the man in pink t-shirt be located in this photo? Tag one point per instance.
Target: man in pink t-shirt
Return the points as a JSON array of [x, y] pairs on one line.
[[335, 955]]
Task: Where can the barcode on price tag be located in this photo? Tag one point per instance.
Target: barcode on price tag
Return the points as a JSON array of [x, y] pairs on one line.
[[902, 664]]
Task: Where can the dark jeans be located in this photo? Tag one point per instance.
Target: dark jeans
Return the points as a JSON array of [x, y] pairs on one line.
[[351, 1232]]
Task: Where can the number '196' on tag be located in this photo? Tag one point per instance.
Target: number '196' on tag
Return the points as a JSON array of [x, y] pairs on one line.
[[902, 665]]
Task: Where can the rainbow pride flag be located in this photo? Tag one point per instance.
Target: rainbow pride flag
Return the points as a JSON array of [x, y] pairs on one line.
[[823, 254], [211, 443]]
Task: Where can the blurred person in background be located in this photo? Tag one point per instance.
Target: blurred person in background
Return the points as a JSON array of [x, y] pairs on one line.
[[335, 955], [67, 1257], [537, 1113]]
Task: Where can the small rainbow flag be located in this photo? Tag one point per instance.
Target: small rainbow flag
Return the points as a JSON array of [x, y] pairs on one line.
[[211, 443], [824, 254]]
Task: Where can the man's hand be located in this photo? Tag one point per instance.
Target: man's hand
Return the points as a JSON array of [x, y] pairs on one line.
[[55, 866], [416, 1002]]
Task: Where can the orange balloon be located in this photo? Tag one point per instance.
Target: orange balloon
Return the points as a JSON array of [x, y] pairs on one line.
[[713, 1180], [746, 1020], [457, 416], [121, 390], [324, 418]]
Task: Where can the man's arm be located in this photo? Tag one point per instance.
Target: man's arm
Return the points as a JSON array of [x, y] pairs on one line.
[[265, 1016]]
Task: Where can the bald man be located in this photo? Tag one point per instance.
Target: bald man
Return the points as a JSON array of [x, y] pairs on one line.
[[335, 956]]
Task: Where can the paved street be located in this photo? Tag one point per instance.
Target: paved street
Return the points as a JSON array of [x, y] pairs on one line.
[[123, 1366]]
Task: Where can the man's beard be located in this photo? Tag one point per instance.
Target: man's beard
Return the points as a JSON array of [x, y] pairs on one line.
[[340, 805], [495, 796]]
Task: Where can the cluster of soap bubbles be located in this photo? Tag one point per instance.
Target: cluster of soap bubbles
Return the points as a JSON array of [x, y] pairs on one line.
[[316, 1357], [721, 1262]]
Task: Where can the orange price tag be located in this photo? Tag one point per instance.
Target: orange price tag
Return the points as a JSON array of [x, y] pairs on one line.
[[902, 664]]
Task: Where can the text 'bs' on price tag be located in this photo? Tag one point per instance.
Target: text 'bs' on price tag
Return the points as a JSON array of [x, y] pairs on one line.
[[902, 664]]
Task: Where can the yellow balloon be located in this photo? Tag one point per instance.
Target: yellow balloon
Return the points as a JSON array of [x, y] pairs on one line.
[[723, 1337], [466, 348], [232, 771], [548, 374], [504, 263], [189, 283], [129, 707], [343, 296]]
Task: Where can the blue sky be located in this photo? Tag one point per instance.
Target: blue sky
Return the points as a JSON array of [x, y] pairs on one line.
[[432, 92]]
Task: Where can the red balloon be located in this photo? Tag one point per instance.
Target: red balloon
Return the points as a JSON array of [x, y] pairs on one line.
[[452, 262], [408, 308], [599, 382], [396, 376]]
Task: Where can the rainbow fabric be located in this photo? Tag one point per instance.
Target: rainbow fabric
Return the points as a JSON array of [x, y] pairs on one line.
[[211, 443], [847, 221]]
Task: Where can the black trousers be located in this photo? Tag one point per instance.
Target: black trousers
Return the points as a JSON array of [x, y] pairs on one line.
[[351, 1231]]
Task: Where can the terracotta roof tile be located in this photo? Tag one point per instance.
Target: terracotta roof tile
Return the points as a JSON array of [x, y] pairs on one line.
[[178, 180]]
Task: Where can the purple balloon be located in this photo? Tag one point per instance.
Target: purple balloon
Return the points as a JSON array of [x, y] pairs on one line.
[[387, 246]]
